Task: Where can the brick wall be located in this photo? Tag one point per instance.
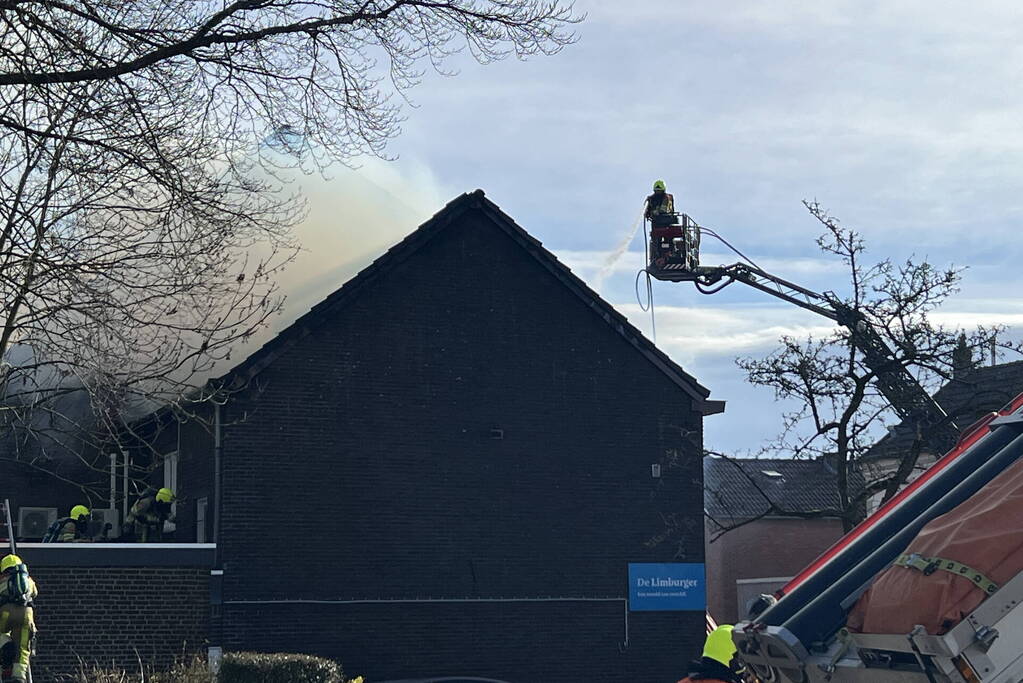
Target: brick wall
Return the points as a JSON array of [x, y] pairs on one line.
[[365, 462], [518, 642], [765, 548], [115, 615]]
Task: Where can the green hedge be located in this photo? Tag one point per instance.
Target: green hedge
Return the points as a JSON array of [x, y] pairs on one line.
[[261, 667]]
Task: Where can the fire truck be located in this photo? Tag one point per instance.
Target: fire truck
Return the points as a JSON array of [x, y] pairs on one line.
[[929, 588]]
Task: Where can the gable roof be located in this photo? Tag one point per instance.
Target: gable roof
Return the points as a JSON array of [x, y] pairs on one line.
[[967, 397], [737, 489], [472, 201]]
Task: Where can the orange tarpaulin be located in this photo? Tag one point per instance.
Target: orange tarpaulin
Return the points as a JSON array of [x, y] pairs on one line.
[[985, 532]]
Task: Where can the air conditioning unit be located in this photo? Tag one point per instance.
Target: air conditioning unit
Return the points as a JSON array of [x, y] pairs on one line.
[[34, 522], [100, 518]]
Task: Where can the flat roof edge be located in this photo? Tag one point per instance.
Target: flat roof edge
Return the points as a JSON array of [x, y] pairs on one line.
[[141, 555]]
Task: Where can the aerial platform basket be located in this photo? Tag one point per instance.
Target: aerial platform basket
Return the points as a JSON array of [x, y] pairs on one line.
[[673, 252]]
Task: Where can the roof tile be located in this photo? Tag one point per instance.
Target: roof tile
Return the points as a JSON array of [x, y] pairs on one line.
[[736, 489]]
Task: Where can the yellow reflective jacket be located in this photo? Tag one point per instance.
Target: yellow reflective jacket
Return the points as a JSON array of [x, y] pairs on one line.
[[659, 203]]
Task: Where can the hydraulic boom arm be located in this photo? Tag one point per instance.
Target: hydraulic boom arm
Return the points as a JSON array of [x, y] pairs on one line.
[[909, 400]]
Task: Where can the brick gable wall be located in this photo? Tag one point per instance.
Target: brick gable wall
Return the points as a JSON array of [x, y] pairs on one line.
[[366, 469]]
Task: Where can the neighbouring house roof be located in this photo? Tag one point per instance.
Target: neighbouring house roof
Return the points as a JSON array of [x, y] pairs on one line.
[[970, 395], [454, 210], [738, 489]]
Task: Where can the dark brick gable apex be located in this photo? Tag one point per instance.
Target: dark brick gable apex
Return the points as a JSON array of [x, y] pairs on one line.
[[455, 209]]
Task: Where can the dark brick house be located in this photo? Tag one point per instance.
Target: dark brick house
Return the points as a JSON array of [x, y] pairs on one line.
[[446, 467], [766, 520]]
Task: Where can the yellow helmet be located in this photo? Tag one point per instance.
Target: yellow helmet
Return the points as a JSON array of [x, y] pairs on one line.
[[8, 562], [165, 496], [79, 511], [719, 645], [659, 186]]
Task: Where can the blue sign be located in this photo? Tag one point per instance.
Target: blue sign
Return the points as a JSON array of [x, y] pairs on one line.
[[667, 587]]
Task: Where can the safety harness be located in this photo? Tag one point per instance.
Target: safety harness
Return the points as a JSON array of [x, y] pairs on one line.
[[18, 590], [929, 565], [53, 533]]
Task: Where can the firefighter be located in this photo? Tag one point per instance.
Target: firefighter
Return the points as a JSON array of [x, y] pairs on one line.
[[148, 515], [660, 206], [71, 529], [17, 591], [717, 665]]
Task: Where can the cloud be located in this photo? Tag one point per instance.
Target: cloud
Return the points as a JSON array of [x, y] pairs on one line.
[[896, 115], [701, 334], [968, 319], [692, 333]]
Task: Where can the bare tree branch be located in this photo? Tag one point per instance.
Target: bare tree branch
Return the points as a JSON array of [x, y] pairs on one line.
[[145, 216], [839, 413]]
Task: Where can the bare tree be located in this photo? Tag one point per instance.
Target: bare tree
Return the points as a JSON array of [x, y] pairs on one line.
[[144, 216], [839, 412]]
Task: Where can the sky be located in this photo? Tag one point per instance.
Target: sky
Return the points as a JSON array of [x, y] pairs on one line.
[[902, 118]]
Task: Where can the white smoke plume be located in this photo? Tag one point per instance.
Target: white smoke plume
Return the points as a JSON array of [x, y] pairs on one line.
[[353, 217], [615, 255]]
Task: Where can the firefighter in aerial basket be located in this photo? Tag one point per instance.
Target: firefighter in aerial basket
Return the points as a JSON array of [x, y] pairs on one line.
[[718, 663], [660, 206]]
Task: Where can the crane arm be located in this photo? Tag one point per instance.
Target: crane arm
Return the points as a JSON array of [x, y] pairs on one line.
[[909, 400]]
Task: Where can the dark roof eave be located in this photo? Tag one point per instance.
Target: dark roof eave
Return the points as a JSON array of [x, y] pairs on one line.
[[709, 407]]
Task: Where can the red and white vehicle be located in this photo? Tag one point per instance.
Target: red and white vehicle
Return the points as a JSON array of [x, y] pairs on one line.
[[804, 637]]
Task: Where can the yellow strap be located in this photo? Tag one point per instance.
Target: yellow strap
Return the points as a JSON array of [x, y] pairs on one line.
[[929, 565]]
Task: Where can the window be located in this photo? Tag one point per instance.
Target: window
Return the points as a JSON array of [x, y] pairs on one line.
[[170, 481], [200, 520], [170, 471]]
